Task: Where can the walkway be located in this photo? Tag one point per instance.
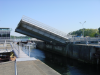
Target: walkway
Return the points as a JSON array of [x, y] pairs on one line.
[[7, 68], [18, 51], [33, 67], [24, 65]]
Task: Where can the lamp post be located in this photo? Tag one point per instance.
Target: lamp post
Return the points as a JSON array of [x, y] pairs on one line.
[[83, 27]]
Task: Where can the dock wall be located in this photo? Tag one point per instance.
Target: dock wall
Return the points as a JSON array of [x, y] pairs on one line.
[[81, 52]]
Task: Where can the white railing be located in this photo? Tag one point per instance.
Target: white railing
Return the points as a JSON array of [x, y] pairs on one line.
[[44, 26], [13, 40], [16, 49], [10, 40], [19, 49], [84, 39]]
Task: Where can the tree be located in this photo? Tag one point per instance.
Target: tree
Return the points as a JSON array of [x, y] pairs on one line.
[[87, 32], [99, 30]]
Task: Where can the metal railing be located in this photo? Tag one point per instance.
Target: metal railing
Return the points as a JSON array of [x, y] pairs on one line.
[[44, 26], [78, 39], [16, 49], [13, 40]]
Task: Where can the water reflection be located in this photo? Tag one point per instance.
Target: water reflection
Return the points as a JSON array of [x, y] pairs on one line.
[[38, 54], [72, 67]]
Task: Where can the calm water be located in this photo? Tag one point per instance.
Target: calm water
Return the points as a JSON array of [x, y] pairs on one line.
[[71, 67]]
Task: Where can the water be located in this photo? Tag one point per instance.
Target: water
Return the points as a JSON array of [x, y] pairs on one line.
[[71, 67]]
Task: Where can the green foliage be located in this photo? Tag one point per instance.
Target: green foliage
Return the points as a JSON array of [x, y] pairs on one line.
[[99, 30], [87, 32]]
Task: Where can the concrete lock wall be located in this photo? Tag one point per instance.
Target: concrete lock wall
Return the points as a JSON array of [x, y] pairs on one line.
[[52, 48], [84, 53]]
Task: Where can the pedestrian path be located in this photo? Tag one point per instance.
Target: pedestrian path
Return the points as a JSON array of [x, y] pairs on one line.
[[24, 65], [18, 51], [7, 68], [29, 67], [34, 67]]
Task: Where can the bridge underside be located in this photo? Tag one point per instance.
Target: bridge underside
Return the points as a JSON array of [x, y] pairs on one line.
[[34, 31]]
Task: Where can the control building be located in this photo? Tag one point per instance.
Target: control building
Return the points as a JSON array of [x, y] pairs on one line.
[[4, 33]]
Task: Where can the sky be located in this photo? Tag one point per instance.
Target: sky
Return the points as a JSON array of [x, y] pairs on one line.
[[63, 15]]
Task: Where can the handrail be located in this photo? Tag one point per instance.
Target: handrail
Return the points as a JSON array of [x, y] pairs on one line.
[[84, 39], [15, 48]]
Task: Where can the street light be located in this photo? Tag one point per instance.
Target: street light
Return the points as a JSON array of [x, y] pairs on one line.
[[83, 27]]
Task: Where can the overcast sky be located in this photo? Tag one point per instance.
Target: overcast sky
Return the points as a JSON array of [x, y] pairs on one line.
[[63, 15]]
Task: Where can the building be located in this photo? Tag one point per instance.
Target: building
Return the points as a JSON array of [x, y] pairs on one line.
[[4, 33]]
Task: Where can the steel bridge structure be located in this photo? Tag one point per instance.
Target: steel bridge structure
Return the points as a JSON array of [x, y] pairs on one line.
[[36, 29]]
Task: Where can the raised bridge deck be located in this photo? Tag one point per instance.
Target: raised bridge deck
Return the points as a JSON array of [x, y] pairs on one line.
[[40, 31]]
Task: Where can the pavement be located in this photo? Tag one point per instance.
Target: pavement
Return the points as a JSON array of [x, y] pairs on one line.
[[35, 67], [7, 68], [27, 67], [24, 65]]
